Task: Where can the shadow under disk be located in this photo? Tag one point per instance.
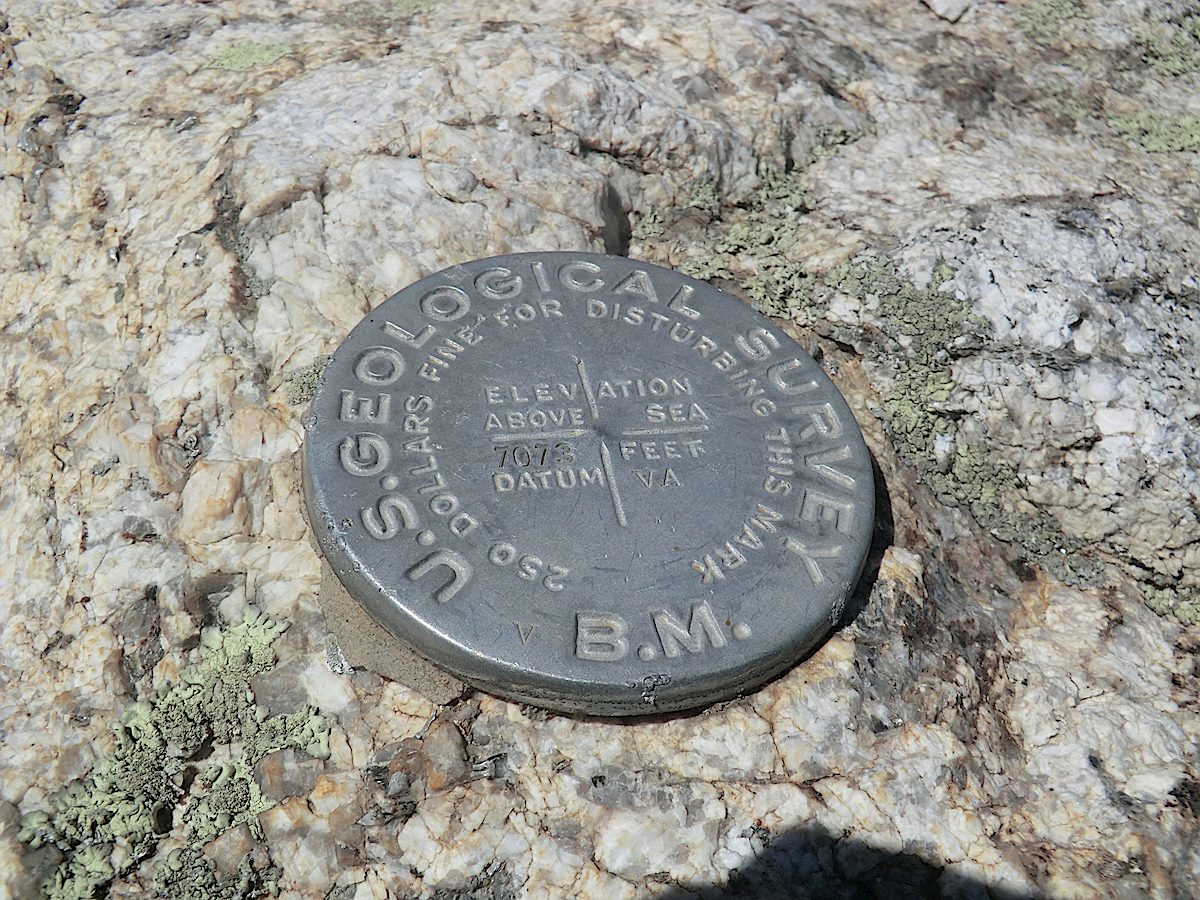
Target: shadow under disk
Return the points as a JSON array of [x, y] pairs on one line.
[[882, 537]]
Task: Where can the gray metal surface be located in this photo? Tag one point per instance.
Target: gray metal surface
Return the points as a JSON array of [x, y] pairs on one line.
[[588, 483]]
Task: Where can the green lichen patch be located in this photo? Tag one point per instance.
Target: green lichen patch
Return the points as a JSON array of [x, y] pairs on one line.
[[186, 875], [649, 227], [246, 55], [108, 822], [1157, 132], [929, 326], [1182, 604], [227, 796], [706, 198], [751, 241], [754, 244], [1042, 20], [1064, 105], [302, 383], [1172, 48], [828, 139]]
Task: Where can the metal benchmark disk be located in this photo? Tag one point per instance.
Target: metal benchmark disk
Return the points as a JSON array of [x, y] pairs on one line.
[[587, 483]]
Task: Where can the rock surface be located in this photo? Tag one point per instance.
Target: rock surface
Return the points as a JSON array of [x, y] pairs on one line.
[[983, 216]]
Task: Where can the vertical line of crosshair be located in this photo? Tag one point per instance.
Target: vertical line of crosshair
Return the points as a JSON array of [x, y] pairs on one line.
[[605, 455], [587, 390]]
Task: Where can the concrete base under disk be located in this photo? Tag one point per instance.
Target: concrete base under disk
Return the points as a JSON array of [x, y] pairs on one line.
[[364, 643], [367, 644]]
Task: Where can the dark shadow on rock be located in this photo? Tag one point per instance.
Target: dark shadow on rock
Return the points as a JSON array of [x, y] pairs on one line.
[[883, 536], [618, 230], [810, 862]]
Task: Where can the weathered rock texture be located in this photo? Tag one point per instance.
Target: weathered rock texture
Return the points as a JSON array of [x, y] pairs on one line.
[[983, 214]]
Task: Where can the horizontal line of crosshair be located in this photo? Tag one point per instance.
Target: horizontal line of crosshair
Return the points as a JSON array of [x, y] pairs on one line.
[[580, 432], [670, 429], [539, 435]]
